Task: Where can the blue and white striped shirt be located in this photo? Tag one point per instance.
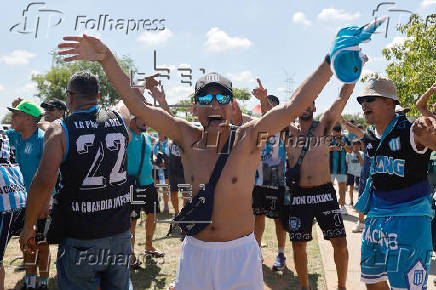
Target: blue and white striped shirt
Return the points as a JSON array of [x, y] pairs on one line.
[[12, 190]]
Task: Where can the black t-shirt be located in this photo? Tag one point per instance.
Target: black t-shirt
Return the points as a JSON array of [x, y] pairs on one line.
[[94, 174], [398, 163]]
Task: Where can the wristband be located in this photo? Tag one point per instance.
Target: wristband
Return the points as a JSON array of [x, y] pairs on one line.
[[327, 59]]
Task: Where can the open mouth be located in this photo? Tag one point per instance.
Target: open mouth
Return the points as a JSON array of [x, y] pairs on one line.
[[215, 119]]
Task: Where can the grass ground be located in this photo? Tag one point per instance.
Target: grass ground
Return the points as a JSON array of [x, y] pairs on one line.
[[160, 272]]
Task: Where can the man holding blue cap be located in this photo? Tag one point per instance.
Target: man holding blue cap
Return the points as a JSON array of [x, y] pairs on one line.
[[27, 140], [396, 241]]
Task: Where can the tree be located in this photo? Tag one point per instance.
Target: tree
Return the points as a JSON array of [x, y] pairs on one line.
[[358, 118], [53, 84], [411, 65], [7, 118], [241, 94]]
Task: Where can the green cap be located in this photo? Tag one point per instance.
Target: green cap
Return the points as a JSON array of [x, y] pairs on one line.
[[27, 107]]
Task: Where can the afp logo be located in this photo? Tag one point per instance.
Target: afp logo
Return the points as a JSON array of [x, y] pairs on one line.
[[37, 19]]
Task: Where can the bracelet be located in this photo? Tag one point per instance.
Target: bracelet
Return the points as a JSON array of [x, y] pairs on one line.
[[327, 59]]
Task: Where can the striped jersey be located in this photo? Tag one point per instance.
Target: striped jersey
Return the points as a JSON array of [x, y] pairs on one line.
[[271, 170], [338, 159], [12, 190]]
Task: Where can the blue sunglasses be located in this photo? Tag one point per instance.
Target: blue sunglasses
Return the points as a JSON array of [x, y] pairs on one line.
[[220, 98]]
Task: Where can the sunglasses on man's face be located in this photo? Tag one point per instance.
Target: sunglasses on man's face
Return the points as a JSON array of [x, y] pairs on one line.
[[367, 99], [207, 99], [50, 109]]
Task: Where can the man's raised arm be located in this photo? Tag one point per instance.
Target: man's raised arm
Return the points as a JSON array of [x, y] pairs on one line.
[[90, 48], [353, 129], [332, 115], [421, 104], [280, 116]]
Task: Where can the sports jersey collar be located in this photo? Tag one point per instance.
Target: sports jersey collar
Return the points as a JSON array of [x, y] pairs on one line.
[[88, 111]]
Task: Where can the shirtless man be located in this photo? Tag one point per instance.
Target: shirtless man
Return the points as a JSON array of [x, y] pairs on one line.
[[226, 252], [315, 181]]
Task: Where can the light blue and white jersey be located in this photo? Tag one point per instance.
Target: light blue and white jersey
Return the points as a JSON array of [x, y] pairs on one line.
[[271, 170], [12, 190]]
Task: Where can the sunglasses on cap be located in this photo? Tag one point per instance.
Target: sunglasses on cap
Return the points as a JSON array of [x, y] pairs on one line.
[[207, 99], [366, 99]]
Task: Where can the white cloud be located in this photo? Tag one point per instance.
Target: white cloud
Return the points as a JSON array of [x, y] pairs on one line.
[[178, 93], [427, 3], [184, 65], [28, 88], [17, 57], [332, 14], [398, 40], [300, 18], [243, 76], [155, 38], [218, 40], [2, 87]]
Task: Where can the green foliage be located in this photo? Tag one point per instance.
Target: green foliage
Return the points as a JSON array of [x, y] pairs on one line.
[[184, 112], [53, 84], [412, 65], [241, 94], [7, 118], [357, 117]]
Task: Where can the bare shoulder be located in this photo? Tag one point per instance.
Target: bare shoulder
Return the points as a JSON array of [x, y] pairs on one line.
[[190, 134]]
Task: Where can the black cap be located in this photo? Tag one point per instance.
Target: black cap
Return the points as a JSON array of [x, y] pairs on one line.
[[54, 103], [213, 79]]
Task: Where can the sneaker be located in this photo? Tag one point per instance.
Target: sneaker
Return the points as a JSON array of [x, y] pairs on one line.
[[280, 263], [358, 228], [343, 210]]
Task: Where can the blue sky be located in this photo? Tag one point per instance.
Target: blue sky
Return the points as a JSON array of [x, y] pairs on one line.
[[273, 40]]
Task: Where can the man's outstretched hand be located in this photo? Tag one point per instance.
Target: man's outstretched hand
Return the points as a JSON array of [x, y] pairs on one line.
[[83, 48], [260, 92]]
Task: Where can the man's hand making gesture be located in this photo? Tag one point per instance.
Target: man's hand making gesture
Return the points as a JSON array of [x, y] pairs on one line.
[[261, 94]]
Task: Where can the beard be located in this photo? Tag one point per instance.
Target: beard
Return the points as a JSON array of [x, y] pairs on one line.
[[307, 117]]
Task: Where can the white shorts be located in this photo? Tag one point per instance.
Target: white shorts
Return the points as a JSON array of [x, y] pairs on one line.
[[235, 264]]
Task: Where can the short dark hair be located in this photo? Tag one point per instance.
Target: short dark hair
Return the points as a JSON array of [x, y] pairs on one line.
[[337, 127], [83, 83], [273, 99]]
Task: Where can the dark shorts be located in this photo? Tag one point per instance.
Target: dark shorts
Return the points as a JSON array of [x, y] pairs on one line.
[[11, 224], [41, 229], [268, 201], [352, 180], [175, 178], [316, 202], [144, 198]]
